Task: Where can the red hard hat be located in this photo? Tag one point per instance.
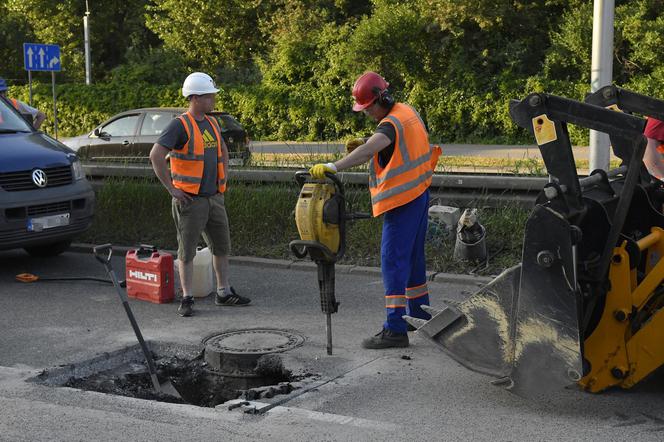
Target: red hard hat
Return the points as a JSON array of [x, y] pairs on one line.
[[366, 90]]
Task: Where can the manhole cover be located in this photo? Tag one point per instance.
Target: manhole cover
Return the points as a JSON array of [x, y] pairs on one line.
[[253, 341], [242, 353]]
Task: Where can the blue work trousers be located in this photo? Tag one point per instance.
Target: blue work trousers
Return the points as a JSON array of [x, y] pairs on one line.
[[403, 262]]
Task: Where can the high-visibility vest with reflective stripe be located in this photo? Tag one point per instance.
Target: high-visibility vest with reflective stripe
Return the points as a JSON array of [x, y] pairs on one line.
[[408, 173], [187, 163]]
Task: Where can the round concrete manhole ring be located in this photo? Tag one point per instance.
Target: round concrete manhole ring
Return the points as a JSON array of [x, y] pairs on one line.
[[237, 353]]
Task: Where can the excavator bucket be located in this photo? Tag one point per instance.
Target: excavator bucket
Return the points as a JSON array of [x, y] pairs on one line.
[[523, 326], [527, 327]]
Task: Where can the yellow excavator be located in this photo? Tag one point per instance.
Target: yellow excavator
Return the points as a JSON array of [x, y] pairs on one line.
[[585, 305]]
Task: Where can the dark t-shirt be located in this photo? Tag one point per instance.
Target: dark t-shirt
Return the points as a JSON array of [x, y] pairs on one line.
[[174, 137], [385, 155]]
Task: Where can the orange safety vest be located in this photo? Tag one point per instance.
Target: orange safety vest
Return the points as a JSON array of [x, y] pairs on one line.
[[187, 163], [408, 173]]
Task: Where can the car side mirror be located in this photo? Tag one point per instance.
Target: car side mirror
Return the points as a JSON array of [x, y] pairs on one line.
[[29, 118], [99, 132]]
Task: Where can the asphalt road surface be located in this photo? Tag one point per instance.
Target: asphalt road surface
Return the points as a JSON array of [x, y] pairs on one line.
[[414, 394]]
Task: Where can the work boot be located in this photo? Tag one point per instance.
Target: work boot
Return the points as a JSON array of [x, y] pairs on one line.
[[386, 339], [231, 299], [186, 306]]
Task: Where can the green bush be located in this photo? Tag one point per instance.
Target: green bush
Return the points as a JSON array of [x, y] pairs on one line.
[[81, 107]]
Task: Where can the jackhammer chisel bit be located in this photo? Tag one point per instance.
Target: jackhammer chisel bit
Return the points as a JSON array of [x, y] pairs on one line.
[[328, 302]]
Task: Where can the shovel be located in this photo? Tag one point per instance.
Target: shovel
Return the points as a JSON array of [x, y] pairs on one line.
[[103, 254]]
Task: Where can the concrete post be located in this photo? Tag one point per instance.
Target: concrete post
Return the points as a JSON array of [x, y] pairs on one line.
[[601, 75]]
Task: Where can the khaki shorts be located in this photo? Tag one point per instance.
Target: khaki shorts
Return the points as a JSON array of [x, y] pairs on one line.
[[203, 215]]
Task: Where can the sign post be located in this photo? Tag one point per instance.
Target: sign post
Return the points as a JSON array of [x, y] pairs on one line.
[[43, 57]]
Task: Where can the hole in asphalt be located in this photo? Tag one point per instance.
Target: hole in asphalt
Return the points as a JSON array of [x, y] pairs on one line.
[[125, 373]]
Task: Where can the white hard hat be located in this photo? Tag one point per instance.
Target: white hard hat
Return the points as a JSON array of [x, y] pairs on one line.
[[198, 83]]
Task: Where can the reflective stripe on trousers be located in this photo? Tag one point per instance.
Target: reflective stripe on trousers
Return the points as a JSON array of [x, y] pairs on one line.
[[403, 262]]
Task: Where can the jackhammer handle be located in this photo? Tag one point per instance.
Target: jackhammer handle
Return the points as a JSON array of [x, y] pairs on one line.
[[337, 182], [299, 253], [301, 176], [103, 253]]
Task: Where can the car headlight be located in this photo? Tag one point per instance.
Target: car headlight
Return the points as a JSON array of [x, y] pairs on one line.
[[77, 170]]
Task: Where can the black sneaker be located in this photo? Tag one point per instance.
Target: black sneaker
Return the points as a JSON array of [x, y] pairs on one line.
[[232, 299], [386, 339], [186, 306]]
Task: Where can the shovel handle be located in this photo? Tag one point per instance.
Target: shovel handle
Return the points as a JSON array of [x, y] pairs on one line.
[[103, 253]]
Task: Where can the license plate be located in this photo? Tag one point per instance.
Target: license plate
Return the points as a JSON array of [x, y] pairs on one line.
[[47, 222], [235, 161]]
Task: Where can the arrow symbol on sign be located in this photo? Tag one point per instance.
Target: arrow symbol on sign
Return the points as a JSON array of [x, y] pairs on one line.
[[30, 57], [53, 62], [41, 57]]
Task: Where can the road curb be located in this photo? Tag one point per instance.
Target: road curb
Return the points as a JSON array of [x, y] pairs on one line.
[[288, 264]]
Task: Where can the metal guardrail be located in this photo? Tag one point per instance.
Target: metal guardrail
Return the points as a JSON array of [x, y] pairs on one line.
[[447, 187]]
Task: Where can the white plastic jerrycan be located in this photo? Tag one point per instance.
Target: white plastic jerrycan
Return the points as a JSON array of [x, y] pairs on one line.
[[204, 281]]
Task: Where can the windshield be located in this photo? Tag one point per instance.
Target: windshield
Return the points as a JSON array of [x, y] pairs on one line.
[[10, 119]]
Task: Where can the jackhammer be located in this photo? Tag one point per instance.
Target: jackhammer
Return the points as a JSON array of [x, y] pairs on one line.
[[321, 215]]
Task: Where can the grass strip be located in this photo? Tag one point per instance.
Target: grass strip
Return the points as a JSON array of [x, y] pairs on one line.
[[131, 212]]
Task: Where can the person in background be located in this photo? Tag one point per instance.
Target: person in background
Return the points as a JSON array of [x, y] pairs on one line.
[[38, 116], [401, 164], [653, 157], [197, 182]]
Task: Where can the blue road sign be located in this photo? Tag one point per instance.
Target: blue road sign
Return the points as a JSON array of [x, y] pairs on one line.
[[41, 57]]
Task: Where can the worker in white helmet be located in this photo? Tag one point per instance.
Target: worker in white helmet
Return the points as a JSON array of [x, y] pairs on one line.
[[197, 182]]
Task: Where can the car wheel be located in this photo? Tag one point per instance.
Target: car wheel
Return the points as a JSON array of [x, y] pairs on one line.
[[47, 250]]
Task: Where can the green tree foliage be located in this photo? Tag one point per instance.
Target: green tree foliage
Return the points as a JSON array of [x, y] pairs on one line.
[[117, 26], [56, 23], [287, 66], [14, 31], [221, 36], [305, 91]]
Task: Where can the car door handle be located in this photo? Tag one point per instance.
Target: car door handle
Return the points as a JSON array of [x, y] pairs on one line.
[[125, 143]]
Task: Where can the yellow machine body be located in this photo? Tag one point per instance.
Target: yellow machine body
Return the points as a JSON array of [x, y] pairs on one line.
[[309, 217], [617, 354], [586, 303]]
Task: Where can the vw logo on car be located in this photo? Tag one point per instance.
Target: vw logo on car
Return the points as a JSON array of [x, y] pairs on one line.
[[39, 178]]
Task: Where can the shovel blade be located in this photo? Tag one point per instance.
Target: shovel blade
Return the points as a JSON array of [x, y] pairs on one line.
[[165, 387], [168, 388]]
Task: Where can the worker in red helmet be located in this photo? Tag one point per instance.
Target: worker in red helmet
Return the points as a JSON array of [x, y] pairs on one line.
[[401, 163], [654, 154]]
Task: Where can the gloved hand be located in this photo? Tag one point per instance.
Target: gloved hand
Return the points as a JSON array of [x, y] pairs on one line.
[[318, 170], [353, 144]]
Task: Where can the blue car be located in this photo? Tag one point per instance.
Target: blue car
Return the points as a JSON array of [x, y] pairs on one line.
[[45, 200]]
